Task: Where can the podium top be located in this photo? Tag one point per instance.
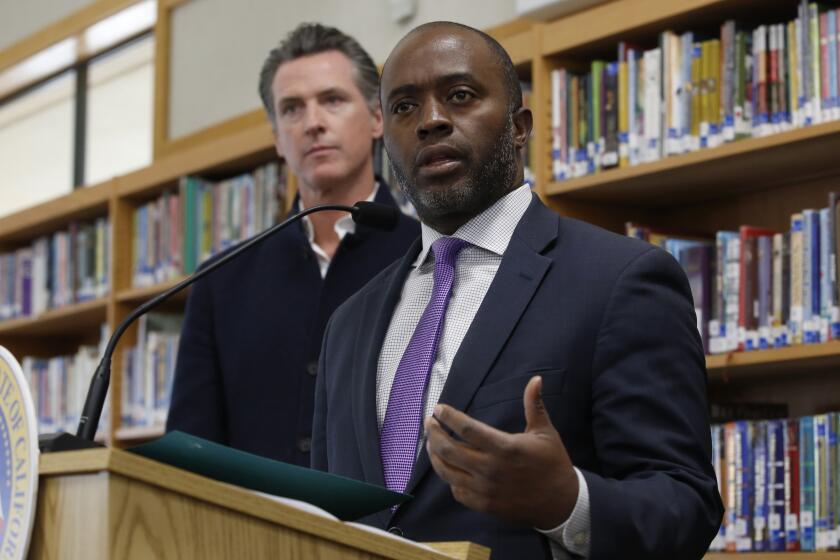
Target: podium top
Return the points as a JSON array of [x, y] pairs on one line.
[[142, 470]]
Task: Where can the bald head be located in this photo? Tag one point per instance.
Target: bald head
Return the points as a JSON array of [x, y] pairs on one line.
[[507, 70], [454, 123]]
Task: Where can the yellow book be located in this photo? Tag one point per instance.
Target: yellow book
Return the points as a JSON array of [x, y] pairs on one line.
[[705, 94], [696, 94]]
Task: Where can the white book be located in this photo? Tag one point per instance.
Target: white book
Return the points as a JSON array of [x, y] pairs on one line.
[[653, 105]]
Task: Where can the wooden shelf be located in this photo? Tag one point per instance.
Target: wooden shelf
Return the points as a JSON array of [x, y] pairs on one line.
[[231, 154], [777, 361], [741, 166], [138, 434], [140, 295], [597, 30], [45, 218], [772, 555], [67, 320]]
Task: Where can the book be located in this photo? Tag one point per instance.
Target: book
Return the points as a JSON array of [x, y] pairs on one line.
[[345, 498]]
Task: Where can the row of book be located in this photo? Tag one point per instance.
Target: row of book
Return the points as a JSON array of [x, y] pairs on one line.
[[148, 370], [780, 484], [690, 93], [59, 386], [179, 230], [757, 288], [67, 267]]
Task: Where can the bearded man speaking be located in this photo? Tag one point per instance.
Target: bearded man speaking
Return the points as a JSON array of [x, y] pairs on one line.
[[536, 383]]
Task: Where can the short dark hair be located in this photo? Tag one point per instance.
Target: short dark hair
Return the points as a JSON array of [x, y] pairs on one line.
[[313, 38], [509, 75]]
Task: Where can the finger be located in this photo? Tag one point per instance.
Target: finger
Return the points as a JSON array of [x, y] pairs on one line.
[[455, 453], [536, 416], [450, 473], [475, 433]]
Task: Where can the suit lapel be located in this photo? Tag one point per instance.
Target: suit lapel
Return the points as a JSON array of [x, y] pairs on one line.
[[376, 313], [520, 274]]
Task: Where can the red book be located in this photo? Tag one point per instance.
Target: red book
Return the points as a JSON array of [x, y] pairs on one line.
[[748, 282], [792, 484]]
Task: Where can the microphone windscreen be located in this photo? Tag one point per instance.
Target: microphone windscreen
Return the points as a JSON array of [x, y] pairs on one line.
[[375, 215]]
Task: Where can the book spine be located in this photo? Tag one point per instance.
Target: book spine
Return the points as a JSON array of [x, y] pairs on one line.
[[792, 485], [776, 484], [807, 484], [760, 485]]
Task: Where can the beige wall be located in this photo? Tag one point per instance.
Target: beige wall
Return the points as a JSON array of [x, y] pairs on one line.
[[20, 18], [218, 46]]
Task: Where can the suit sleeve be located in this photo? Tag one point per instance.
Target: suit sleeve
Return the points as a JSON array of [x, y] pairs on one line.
[[198, 403], [656, 496], [318, 453]]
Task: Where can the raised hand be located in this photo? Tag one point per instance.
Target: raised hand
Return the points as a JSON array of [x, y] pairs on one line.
[[526, 478]]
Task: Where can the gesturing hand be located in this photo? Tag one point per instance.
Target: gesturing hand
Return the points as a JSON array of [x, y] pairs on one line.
[[526, 478]]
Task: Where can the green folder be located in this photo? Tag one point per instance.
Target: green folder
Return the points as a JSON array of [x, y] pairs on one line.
[[343, 497]]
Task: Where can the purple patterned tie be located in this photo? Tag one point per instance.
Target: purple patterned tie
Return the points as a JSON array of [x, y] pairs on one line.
[[401, 428]]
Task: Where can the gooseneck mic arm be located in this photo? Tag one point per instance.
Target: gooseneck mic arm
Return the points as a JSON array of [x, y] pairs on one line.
[[371, 214]]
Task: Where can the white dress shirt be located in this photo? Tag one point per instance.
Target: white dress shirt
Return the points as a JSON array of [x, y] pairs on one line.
[[343, 226], [489, 234]]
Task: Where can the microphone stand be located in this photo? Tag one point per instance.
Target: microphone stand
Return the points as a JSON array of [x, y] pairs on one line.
[[92, 409]]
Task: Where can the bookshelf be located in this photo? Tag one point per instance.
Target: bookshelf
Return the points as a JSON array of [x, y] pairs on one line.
[[758, 181]]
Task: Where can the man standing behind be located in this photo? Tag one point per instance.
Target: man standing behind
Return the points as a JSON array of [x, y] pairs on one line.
[[249, 348], [536, 383]]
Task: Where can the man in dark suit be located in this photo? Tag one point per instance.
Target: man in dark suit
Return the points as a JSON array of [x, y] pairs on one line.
[[249, 349], [536, 383]]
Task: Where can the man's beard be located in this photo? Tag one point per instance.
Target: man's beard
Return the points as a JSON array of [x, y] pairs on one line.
[[488, 181]]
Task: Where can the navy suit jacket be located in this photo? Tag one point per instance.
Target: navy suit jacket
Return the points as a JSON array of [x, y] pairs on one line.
[[248, 354], [608, 322]]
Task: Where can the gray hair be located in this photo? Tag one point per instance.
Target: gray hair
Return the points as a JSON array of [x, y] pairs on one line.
[[314, 38]]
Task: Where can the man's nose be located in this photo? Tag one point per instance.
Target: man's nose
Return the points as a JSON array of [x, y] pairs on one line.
[[313, 118], [434, 119]]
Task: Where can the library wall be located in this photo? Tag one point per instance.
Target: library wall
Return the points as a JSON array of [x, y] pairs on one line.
[[19, 19], [218, 46]]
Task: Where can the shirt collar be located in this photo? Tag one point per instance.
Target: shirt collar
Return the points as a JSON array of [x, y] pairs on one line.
[[343, 226], [491, 230]]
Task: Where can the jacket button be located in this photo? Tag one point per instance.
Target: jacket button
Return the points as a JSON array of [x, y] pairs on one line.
[[396, 531], [312, 368], [304, 444]]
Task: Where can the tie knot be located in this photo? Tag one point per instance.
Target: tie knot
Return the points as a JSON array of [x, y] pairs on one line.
[[446, 250]]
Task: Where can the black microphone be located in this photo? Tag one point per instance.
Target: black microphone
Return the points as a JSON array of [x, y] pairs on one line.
[[372, 214], [379, 216]]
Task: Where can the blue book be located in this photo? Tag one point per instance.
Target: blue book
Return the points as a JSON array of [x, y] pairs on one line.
[[806, 484], [776, 484], [743, 485], [761, 540], [810, 275], [825, 275], [832, 59]]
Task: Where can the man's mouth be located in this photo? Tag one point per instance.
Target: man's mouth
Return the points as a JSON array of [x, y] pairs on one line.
[[317, 150], [438, 160]]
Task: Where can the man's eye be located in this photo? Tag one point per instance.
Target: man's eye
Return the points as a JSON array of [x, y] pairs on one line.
[[334, 100], [288, 110], [402, 107], [461, 96]]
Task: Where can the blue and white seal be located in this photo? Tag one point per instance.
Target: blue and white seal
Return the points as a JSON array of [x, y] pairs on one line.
[[18, 460]]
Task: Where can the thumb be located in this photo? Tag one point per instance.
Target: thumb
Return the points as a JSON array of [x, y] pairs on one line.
[[536, 416]]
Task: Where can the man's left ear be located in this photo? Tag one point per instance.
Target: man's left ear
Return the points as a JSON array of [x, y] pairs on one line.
[[376, 120], [523, 122]]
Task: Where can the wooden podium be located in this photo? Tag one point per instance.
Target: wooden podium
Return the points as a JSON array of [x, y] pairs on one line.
[[111, 504]]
